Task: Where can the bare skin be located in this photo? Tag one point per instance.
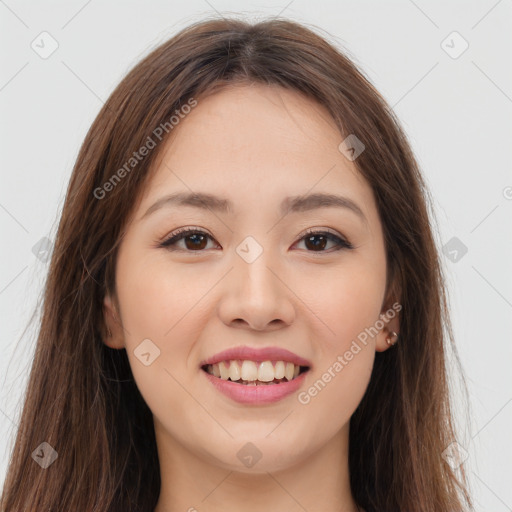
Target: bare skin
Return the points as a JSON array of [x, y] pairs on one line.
[[254, 145]]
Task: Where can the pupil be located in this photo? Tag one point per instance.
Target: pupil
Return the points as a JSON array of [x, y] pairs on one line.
[[320, 245], [195, 244]]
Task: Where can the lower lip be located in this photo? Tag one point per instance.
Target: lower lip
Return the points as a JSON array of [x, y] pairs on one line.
[[263, 394]]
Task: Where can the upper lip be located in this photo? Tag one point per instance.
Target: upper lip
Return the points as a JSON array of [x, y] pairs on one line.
[[257, 354]]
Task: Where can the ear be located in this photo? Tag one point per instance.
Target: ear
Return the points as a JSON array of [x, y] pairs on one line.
[[390, 317], [112, 331]]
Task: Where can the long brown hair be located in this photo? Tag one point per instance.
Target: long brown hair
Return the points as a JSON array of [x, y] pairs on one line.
[[94, 416]]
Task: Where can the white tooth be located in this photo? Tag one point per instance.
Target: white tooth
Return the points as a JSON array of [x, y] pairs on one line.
[[288, 373], [234, 370], [249, 371], [224, 372], [266, 372], [296, 371], [279, 370], [215, 370]]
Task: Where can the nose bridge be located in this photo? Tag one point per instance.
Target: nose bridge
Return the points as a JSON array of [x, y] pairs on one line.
[[254, 266], [255, 292]]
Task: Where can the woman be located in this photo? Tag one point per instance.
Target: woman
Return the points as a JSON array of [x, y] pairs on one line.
[[245, 308]]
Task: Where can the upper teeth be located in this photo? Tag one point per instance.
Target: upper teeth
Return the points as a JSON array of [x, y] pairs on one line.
[[266, 371]]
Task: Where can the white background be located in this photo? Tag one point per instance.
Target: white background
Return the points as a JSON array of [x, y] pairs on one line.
[[456, 112]]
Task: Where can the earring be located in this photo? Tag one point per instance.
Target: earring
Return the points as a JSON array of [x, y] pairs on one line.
[[393, 335]]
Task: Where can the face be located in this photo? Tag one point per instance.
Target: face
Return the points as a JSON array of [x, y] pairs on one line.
[[310, 279]]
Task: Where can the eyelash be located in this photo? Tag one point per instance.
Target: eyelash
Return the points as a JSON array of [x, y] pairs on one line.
[[182, 233]]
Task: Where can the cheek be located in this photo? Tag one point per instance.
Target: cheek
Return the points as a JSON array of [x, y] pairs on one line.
[[156, 296], [161, 304], [347, 301], [345, 353]]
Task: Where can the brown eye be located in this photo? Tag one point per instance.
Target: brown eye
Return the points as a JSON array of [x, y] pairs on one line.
[[195, 240], [316, 241]]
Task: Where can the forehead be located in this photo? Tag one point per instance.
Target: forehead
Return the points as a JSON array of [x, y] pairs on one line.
[[249, 122], [255, 145]]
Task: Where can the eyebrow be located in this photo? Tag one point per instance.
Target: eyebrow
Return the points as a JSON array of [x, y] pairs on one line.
[[291, 204]]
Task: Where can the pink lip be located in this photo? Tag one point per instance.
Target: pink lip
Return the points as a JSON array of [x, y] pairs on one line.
[[256, 394], [257, 355]]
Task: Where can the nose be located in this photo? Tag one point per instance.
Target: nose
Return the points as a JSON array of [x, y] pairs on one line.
[[255, 296]]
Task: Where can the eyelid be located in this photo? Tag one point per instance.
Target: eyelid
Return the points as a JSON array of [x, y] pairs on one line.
[[318, 231]]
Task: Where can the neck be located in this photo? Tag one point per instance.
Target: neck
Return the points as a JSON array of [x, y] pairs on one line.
[[315, 481]]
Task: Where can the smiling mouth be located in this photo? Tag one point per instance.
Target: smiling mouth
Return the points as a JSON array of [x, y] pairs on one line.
[[252, 373]]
